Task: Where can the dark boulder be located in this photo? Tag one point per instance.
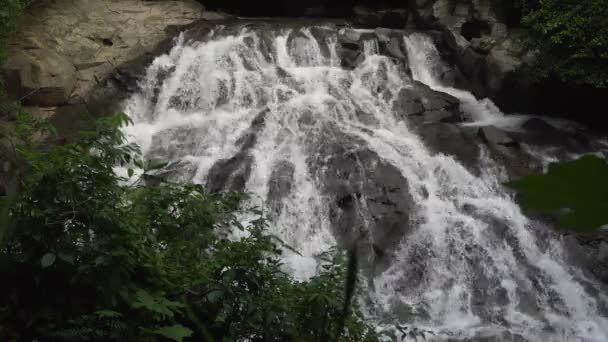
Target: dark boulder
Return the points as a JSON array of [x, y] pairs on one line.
[[496, 137], [175, 143], [394, 48], [590, 251], [507, 150], [408, 103], [369, 199], [232, 174], [454, 140], [538, 125], [280, 185], [420, 104], [545, 143], [350, 56], [436, 117]]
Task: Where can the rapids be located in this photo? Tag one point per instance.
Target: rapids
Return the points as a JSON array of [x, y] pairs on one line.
[[256, 108]]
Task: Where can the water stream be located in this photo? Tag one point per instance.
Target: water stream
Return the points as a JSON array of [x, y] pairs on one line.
[[471, 266]]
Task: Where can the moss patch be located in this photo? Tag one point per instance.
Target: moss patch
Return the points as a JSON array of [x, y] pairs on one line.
[[578, 190]]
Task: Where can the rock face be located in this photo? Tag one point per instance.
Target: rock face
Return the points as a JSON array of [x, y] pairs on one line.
[[41, 77], [488, 48], [58, 61], [369, 199], [591, 251], [280, 185]]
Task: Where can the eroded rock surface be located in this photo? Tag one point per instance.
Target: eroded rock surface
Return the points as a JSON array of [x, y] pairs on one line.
[[69, 47], [369, 199]]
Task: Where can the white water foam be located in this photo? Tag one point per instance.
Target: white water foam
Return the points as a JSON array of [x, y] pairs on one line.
[[424, 59], [470, 241]]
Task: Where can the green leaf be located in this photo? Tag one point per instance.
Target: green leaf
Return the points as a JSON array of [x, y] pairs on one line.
[[175, 332], [48, 260], [156, 303]]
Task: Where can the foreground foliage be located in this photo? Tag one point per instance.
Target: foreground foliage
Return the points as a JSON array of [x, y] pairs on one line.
[[577, 191], [573, 38], [90, 259]]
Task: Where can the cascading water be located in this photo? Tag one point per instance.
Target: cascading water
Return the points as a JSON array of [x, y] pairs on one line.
[[261, 108]]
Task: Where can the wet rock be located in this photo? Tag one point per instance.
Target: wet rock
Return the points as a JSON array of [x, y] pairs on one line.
[[537, 132], [350, 56], [175, 143], [297, 42], [538, 125], [323, 35], [180, 171], [590, 251], [454, 140], [69, 48], [408, 103], [280, 185], [394, 48], [494, 136], [230, 174], [349, 36], [469, 63], [484, 47], [422, 105], [249, 138], [506, 149], [369, 198], [385, 35]]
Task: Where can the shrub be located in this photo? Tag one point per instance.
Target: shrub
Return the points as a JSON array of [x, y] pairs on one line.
[[90, 258], [573, 38]]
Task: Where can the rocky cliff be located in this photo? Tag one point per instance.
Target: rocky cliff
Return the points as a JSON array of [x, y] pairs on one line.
[[67, 48], [71, 56]]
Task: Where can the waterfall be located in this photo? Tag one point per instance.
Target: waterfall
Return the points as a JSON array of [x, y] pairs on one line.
[[424, 59], [270, 111]]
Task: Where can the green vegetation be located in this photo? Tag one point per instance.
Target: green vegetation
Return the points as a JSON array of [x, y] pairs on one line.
[[10, 14], [573, 38], [577, 191], [88, 258], [10, 11]]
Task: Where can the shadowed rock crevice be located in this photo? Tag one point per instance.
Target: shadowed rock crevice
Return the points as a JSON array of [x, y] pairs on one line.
[[475, 29]]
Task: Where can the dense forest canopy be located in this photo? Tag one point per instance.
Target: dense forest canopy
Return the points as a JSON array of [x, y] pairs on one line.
[[573, 37]]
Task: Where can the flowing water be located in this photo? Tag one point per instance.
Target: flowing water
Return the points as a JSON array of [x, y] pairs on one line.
[[472, 265]]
